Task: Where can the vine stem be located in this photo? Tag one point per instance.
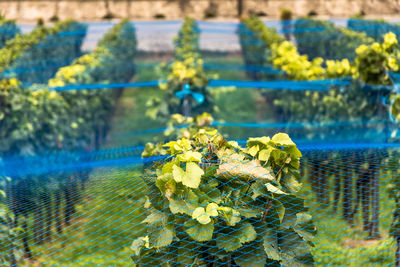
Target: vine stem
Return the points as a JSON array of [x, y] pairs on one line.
[[280, 170], [269, 204]]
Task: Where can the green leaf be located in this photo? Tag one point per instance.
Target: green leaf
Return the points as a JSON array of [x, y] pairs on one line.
[[170, 187], [162, 180], [258, 189], [246, 232], [162, 237], [274, 189], [230, 215], [293, 151], [291, 183], [252, 170], [168, 167], [187, 252], [232, 238], [199, 232], [201, 216], [190, 156], [193, 175], [282, 139], [181, 206], [304, 226], [140, 243], [156, 218], [264, 154], [292, 244], [178, 173], [211, 210], [250, 255], [293, 205], [258, 140], [279, 209], [250, 212], [271, 245], [253, 150], [228, 241]]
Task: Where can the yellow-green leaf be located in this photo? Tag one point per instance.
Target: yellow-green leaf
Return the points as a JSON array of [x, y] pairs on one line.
[[211, 209], [282, 139], [274, 189], [201, 216], [178, 173], [254, 150], [193, 175], [190, 156]]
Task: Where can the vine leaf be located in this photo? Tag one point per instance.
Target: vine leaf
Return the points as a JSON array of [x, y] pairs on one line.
[[282, 139], [162, 237], [140, 243], [157, 218], [250, 255], [264, 154], [193, 175], [190, 156], [232, 216], [304, 226], [279, 209], [293, 246], [272, 188], [258, 140], [201, 216], [228, 242], [212, 209], [178, 173], [271, 244], [248, 171], [247, 233], [199, 232], [254, 150], [187, 252], [232, 238], [181, 206]]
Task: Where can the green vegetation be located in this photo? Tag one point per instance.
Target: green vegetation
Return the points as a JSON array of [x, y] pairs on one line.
[[36, 56], [375, 29], [318, 38], [202, 203], [101, 232], [37, 123], [184, 81], [214, 201], [8, 30]]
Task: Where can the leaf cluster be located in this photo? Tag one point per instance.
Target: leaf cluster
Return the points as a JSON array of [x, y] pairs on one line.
[[186, 70], [213, 202], [39, 121], [318, 38], [112, 61], [374, 28], [284, 55], [35, 57], [375, 60], [356, 102], [8, 30]]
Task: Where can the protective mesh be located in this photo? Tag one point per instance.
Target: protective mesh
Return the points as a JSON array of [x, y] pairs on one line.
[[86, 208]]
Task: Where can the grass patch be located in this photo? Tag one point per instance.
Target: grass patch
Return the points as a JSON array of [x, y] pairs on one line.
[[107, 221]]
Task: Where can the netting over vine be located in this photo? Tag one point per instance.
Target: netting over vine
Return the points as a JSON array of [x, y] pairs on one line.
[[109, 161]]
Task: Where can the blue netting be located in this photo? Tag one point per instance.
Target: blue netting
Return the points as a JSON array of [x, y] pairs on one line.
[[81, 200]]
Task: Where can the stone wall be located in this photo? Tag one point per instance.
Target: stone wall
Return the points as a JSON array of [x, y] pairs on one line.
[[172, 9]]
